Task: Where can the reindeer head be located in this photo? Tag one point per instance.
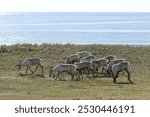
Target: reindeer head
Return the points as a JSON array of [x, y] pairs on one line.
[[51, 72], [19, 65]]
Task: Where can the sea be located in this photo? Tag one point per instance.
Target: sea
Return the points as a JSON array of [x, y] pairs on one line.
[[123, 28]]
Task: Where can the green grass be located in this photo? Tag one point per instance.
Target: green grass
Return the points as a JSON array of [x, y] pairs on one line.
[[15, 86]]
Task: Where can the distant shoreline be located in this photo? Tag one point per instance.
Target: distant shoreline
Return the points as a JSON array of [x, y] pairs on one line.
[[132, 45]]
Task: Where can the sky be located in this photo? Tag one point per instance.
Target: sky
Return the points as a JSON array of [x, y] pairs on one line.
[[74, 5]]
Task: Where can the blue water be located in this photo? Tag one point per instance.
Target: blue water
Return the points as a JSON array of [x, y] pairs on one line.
[[75, 28]]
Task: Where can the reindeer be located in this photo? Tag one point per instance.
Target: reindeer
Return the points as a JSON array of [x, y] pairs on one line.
[[110, 58], [72, 59], [97, 63], [111, 63], [87, 58], [122, 66], [30, 62], [68, 68], [83, 54]]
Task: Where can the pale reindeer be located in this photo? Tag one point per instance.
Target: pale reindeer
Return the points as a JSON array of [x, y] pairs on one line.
[[111, 63], [110, 58], [97, 63], [61, 68], [85, 66], [83, 54], [30, 62], [72, 59], [119, 67], [87, 58]]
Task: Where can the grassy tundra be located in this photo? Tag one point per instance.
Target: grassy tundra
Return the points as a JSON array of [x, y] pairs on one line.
[[16, 86]]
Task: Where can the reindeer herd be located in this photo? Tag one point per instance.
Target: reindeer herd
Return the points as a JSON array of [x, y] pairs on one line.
[[79, 64]]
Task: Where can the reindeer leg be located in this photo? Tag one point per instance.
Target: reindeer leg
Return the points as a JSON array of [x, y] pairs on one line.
[[72, 76], [97, 70], [77, 76], [93, 74], [114, 78], [27, 70], [91, 71], [59, 77], [62, 77], [103, 69], [129, 76], [42, 68], [80, 74], [35, 69], [88, 72]]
